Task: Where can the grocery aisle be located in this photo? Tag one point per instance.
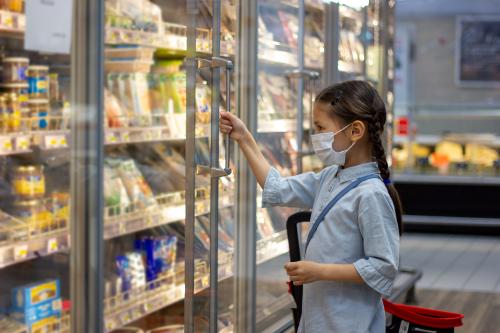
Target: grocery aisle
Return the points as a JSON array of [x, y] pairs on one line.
[[454, 262]]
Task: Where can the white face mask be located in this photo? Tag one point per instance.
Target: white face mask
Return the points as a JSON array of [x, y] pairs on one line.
[[323, 147]]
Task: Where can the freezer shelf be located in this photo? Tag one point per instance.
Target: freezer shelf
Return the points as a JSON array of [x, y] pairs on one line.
[[24, 142], [130, 306], [62, 325], [20, 241], [167, 210]]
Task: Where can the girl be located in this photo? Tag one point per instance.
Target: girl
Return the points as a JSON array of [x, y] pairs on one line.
[[352, 250]]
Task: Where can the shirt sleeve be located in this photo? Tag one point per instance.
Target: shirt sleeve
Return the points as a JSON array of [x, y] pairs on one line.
[[378, 226], [297, 191]]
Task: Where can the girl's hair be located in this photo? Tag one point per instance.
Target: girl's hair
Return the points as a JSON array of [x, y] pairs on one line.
[[359, 100]]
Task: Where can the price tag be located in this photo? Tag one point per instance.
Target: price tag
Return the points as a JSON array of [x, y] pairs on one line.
[[5, 144], [111, 137], [126, 137], [52, 245], [20, 252], [54, 141], [22, 142], [63, 142]]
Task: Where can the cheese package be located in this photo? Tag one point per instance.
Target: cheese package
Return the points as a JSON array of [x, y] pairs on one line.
[[37, 305], [480, 154], [452, 150]]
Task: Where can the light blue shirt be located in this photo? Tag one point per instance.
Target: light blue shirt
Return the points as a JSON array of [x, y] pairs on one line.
[[361, 229]]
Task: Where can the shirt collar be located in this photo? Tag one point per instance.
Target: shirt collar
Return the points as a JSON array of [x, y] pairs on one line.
[[357, 171]]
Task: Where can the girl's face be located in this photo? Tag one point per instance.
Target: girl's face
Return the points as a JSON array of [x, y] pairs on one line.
[[324, 123]]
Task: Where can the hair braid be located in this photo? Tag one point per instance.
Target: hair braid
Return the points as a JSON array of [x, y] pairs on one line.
[[375, 130]]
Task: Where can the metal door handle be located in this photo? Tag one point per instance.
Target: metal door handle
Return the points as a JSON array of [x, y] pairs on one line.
[[217, 63]]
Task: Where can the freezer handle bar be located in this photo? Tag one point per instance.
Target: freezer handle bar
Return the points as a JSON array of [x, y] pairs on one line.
[[311, 78], [219, 62]]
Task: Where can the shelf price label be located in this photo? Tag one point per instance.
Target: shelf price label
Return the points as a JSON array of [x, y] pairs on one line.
[[22, 142], [20, 252], [52, 245]]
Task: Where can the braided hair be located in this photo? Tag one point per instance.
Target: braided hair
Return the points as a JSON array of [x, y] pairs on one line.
[[359, 100]]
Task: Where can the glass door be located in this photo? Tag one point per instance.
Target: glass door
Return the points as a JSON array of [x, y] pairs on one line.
[[280, 77], [35, 166], [168, 184]]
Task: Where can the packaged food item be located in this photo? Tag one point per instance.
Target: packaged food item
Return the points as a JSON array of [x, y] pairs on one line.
[[140, 97], [37, 304], [28, 182], [34, 213], [13, 113], [14, 70], [138, 190], [160, 254], [39, 111], [21, 91], [452, 150], [4, 115], [115, 194], [16, 6], [54, 87], [114, 114], [480, 154], [38, 82], [58, 207], [130, 269]]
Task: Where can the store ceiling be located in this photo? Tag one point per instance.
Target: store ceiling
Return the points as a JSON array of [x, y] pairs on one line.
[[446, 7]]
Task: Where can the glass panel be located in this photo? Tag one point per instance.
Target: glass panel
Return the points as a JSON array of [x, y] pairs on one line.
[[447, 121], [277, 113], [147, 94], [35, 175]]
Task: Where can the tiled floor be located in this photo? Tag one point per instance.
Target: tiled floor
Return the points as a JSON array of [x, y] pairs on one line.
[[454, 262]]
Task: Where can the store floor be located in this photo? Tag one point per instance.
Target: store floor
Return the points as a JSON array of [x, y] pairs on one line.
[[454, 262]]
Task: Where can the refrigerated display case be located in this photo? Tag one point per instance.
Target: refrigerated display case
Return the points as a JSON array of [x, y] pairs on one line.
[[35, 179], [446, 125], [120, 159]]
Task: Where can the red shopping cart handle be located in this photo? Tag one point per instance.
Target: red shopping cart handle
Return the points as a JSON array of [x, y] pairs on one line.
[[425, 317]]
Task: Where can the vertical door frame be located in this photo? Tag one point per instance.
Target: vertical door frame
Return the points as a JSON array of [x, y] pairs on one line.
[[300, 86], [246, 213], [214, 161], [87, 156], [332, 40], [190, 198]]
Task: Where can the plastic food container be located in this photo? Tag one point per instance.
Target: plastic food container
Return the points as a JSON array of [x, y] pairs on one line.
[[14, 70], [4, 115], [20, 89], [39, 111], [16, 6], [32, 212], [38, 82], [13, 113], [28, 182], [58, 206]]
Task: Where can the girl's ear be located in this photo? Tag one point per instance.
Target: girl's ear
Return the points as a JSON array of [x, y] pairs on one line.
[[358, 130]]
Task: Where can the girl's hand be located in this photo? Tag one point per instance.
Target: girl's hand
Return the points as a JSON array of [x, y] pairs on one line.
[[232, 125], [301, 272]]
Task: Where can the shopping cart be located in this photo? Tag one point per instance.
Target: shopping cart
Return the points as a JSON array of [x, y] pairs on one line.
[[403, 319]]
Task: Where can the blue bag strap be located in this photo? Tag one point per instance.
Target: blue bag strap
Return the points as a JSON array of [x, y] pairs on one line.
[[336, 199]]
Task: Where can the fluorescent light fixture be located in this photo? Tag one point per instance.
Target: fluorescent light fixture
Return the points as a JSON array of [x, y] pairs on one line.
[[356, 4]]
